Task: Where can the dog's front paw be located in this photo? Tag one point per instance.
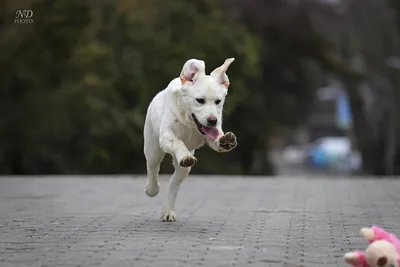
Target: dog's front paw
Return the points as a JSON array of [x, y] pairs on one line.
[[168, 216], [187, 161], [228, 141]]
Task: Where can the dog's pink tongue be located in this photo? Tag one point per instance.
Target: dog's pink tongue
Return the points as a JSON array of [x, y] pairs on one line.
[[211, 132]]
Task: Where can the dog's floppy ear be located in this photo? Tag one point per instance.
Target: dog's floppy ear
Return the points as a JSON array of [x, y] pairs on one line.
[[220, 72], [192, 70]]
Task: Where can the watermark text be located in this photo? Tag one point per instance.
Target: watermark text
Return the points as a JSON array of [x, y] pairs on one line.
[[23, 16]]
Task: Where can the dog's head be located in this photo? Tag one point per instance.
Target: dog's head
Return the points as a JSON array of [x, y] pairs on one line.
[[203, 96]]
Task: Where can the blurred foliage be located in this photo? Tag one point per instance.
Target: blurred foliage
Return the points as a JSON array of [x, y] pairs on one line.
[[76, 83]]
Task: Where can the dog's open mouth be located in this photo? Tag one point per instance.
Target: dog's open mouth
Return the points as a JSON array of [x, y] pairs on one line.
[[204, 130]]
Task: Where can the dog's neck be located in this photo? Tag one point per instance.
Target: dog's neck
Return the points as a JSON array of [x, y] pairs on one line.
[[175, 103], [180, 113]]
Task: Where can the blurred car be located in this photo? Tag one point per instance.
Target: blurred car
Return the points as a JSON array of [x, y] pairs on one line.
[[333, 153], [294, 155]]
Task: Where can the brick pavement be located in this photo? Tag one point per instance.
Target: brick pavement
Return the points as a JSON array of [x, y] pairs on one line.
[[221, 221]]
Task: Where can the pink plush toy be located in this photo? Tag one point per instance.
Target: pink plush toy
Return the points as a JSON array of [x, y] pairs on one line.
[[383, 250]]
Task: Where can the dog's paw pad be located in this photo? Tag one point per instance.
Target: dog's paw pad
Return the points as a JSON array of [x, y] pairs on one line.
[[188, 161], [169, 216], [228, 141]]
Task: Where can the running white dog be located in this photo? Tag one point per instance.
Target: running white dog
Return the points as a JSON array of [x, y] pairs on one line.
[[184, 117]]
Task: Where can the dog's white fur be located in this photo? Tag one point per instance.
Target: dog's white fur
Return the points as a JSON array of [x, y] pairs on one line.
[[170, 128]]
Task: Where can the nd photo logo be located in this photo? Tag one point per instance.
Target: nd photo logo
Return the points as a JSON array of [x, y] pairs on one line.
[[23, 16]]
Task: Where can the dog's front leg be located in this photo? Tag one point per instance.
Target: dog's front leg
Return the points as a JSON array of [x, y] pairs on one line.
[[224, 143], [176, 148]]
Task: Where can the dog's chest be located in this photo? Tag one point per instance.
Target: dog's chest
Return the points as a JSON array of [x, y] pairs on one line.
[[190, 137]]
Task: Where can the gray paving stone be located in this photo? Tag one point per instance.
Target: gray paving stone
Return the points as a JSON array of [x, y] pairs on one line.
[[222, 221]]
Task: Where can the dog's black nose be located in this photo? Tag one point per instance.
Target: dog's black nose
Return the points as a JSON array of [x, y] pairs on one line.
[[212, 121]]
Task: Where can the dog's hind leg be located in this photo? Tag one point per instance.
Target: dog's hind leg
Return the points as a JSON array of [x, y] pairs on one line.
[[154, 155], [180, 173]]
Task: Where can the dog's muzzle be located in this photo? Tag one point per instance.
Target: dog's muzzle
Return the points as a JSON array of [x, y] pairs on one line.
[[204, 130]]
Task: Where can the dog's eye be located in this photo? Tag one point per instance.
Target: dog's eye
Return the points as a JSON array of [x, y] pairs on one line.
[[200, 100], [217, 101]]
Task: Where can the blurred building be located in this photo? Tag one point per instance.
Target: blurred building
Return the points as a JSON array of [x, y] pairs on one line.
[[330, 116], [331, 113], [325, 142]]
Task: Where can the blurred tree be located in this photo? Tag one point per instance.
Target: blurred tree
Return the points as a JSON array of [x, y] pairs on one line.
[[291, 53], [75, 84], [378, 57], [365, 38], [357, 41]]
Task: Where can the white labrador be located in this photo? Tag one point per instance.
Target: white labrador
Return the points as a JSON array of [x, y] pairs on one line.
[[184, 117]]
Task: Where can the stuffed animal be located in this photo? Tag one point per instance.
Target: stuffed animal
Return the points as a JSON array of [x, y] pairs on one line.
[[383, 250]]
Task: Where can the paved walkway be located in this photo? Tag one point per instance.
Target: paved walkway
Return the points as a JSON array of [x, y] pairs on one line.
[[221, 221]]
